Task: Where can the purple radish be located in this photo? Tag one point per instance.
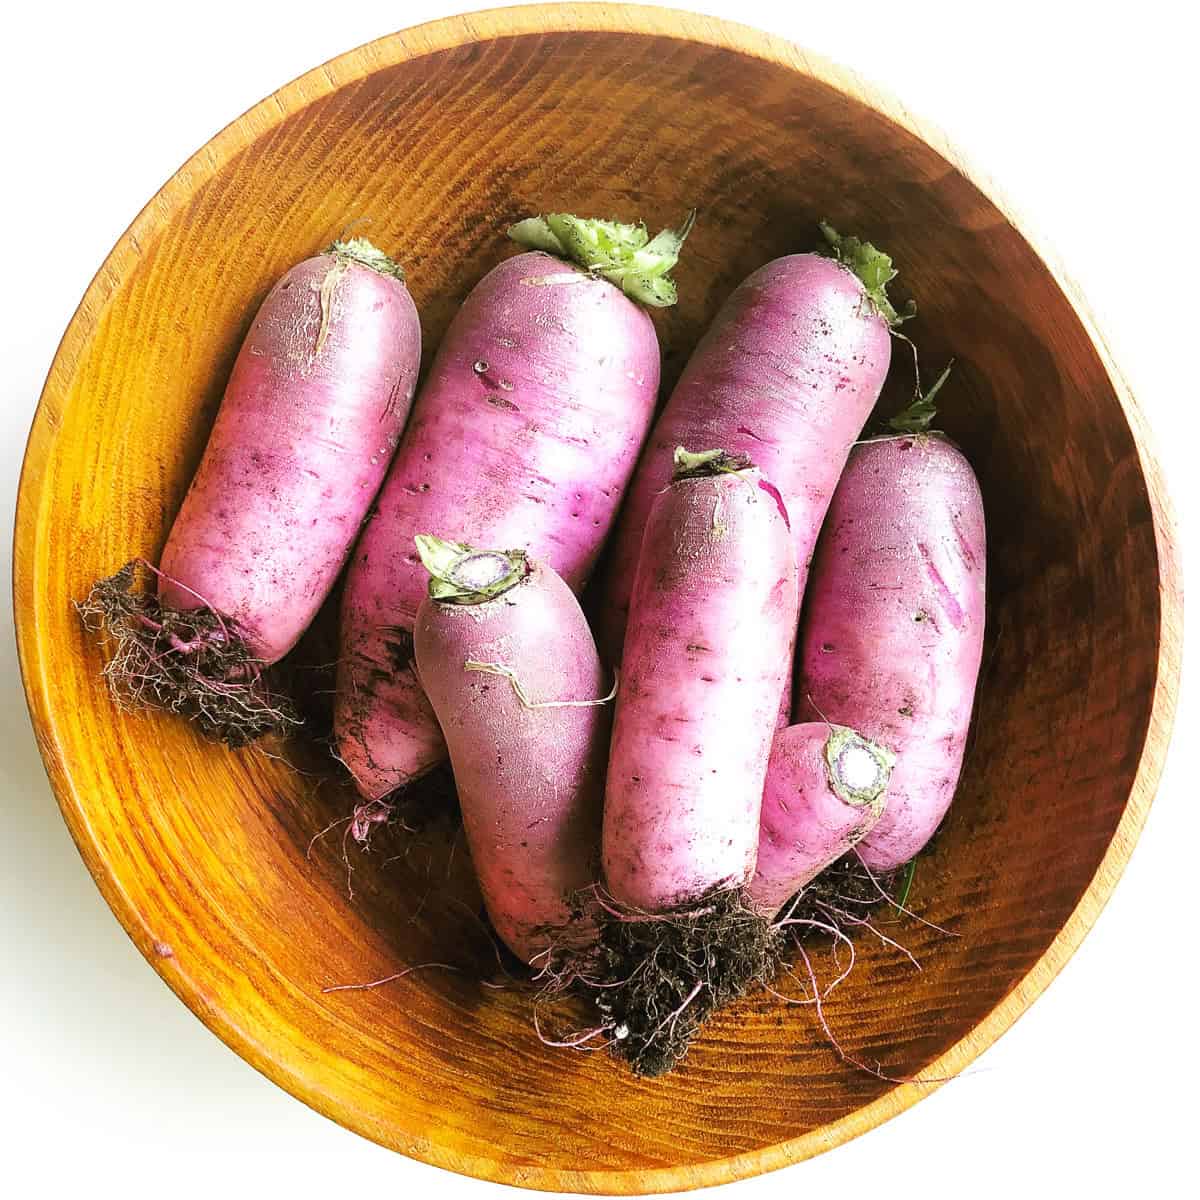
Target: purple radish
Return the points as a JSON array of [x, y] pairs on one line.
[[512, 672], [712, 621], [711, 627], [311, 415], [893, 628]]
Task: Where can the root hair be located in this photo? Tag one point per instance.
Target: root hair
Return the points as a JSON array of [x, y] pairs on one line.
[[195, 664]]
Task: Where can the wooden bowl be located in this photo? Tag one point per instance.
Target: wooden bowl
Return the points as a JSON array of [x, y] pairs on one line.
[[440, 136]]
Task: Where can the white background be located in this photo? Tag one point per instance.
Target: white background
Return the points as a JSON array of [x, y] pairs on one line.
[[1086, 115]]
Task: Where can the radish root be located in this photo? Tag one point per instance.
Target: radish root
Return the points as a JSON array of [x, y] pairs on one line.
[[195, 664], [653, 979], [508, 673], [374, 983]]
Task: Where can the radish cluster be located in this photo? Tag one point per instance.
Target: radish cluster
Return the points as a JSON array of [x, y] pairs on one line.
[[788, 622]]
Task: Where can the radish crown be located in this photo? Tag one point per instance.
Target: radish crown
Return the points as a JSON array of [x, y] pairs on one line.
[[873, 267], [366, 254], [918, 416], [700, 464], [625, 255], [460, 574], [858, 769]]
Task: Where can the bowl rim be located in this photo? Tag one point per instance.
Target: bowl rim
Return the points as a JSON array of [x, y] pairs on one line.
[[352, 66]]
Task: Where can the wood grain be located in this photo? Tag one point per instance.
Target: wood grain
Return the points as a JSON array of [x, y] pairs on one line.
[[438, 136]]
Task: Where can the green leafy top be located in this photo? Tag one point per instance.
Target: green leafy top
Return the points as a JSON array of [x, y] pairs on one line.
[[918, 416], [366, 254], [699, 464], [873, 267], [625, 255], [460, 574]]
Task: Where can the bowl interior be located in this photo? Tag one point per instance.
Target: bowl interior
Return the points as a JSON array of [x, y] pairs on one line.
[[205, 853]]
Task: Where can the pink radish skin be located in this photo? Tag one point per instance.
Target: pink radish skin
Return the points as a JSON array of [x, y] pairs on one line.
[[893, 631], [712, 622], [524, 435], [826, 789], [530, 779], [787, 374], [311, 416]]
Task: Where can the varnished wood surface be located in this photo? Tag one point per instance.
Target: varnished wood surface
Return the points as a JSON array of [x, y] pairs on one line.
[[439, 136]]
